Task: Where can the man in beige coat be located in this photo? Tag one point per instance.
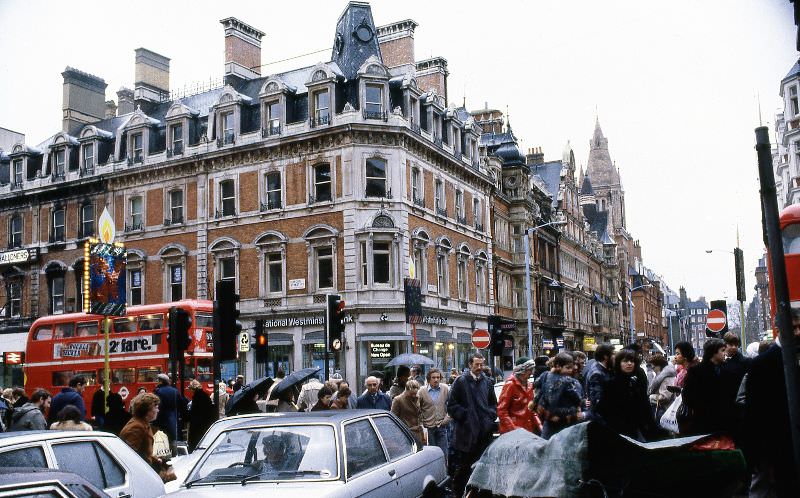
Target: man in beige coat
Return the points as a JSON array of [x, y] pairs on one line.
[[433, 402]]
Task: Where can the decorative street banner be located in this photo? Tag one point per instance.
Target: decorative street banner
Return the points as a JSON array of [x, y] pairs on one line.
[[413, 298], [106, 276]]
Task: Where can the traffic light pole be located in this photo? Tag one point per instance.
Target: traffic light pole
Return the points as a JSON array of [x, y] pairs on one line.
[[783, 316]]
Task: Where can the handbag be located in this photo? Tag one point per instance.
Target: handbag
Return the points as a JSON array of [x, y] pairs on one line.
[[161, 447], [669, 421]]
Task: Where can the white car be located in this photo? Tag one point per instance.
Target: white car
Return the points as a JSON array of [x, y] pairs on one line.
[[101, 458], [181, 465]]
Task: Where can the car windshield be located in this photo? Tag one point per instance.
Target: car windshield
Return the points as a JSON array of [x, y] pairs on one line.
[[277, 453]]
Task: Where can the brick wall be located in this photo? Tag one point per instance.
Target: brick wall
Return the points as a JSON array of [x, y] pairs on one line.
[[155, 206], [398, 51], [248, 191], [243, 53]]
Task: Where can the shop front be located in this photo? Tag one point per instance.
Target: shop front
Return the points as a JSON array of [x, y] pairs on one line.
[[279, 356]]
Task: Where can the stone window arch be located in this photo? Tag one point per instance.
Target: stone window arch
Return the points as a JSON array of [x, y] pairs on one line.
[[56, 275], [173, 268], [136, 268], [321, 247], [420, 243], [378, 253], [272, 264], [481, 276], [443, 249], [225, 260]]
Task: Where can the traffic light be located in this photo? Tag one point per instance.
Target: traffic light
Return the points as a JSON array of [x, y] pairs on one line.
[[335, 321], [179, 337], [227, 316], [262, 342], [738, 263]]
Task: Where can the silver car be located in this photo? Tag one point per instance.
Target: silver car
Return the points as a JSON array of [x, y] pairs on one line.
[[336, 453], [182, 464], [102, 459]]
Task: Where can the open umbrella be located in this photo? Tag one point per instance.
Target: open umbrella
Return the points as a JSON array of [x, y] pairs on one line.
[[294, 379], [260, 386], [410, 359]]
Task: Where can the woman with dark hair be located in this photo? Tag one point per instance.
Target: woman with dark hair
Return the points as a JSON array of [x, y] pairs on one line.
[[69, 419], [116, 416], [704, 395], [684, 359], [626, 408]]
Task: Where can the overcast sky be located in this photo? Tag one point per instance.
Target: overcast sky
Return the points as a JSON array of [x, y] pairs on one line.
[[675, 86]]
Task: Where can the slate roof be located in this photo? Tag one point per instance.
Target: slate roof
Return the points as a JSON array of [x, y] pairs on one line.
[[349, 51], [550, 175], [586, 188], [794, 71], [598, 222]]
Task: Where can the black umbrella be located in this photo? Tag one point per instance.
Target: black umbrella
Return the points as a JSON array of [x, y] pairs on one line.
[[260, 386], [410, 359], [293, 379]]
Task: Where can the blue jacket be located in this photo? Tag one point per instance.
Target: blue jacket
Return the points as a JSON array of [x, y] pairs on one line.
[[473, 406], [377, 401], [167, 418], [67, 396], [596, 385]]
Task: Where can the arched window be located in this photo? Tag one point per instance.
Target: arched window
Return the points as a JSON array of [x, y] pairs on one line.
[[378, 253], [173, 266], [461, 273], [225, 252], [136, 273], [481, 273]]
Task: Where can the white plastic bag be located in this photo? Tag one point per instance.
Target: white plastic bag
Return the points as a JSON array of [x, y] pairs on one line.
[[669, 420], [161, 445]]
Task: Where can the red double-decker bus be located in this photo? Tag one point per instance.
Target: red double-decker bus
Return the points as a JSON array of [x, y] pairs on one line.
[[61, 346]]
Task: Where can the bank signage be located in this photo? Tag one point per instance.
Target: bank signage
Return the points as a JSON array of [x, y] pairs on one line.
[[19, 256], [300, 321], [434, 320]]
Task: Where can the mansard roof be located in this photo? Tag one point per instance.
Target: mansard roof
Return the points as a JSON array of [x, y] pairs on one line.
[[550, 175], [356, 39]]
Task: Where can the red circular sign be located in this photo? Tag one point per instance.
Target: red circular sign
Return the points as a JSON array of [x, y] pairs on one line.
[[480, 339], [716, 320]]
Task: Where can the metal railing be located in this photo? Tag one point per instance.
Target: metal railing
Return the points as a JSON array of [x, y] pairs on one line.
[[134, 227], [419, 202], [374, 114], [270, 131], [269, 205]]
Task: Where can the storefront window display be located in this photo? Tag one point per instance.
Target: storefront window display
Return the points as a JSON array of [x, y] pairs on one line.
[[314, 356]]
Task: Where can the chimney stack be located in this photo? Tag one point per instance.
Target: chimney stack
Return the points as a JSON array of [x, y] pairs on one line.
[[242, 50], [84, 100], [151, 80], [396, 42], [111, 109], [535, 156], [432, 75], [125, 101]]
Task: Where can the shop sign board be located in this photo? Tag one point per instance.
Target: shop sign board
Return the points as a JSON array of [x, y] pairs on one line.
[[13, 357], [19, 256], [381, 352]]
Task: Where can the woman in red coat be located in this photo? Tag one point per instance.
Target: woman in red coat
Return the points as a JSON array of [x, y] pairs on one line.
[[514, 406]]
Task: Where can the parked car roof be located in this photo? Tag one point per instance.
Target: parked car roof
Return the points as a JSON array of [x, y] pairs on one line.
[[322, 416], [12, 437], [22, 478]]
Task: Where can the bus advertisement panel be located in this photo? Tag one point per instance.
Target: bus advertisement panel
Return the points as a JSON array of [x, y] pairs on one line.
[[62, 346]]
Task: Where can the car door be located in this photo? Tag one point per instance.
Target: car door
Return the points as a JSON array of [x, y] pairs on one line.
[[96, 464], [400, 449], [366, 466]]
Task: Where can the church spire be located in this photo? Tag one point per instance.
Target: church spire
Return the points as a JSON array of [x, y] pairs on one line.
[[600, 168]]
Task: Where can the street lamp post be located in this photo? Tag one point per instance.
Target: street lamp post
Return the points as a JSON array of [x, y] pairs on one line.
[[526, 236], [630, 302]]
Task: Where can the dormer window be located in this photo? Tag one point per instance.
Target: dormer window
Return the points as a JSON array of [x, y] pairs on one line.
[[176, 138], [322, 105], [18, 173], [272, 115], [60, 161], [227, 128], [88, 156], [373, 102], [137, 147]]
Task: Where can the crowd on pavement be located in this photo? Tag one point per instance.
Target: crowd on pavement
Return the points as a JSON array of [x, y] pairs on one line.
[[740, 399]]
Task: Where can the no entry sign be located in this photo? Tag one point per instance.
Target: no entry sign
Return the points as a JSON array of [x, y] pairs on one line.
[[716, 320], [480, 339]]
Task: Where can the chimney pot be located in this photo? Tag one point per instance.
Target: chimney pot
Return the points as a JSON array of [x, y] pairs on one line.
[[125, 99]]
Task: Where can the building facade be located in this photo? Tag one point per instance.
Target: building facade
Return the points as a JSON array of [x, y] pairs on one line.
[[329, 178]]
